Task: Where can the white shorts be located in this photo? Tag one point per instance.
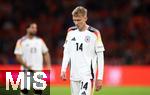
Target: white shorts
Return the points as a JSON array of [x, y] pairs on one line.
[[84, 87]]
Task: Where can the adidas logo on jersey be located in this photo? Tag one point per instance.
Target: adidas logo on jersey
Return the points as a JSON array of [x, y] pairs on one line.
[[83, 93], [73, 39]]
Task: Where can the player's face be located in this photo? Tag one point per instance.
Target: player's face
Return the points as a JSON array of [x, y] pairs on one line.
[[32, 30], [80, 21]]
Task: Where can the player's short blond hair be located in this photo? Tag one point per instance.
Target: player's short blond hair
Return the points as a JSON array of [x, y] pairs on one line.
[[79, 11]]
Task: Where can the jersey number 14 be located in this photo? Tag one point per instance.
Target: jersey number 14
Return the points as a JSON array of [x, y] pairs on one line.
[[79, 46]]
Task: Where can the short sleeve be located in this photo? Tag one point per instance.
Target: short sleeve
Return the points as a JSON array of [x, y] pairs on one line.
[[44, 47], [99, 44], [18, 48]]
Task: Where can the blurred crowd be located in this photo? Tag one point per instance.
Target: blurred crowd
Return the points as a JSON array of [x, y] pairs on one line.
[[124, 27]]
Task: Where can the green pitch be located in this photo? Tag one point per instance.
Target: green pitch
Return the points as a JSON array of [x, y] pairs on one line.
[[106, 91], [3, 91]]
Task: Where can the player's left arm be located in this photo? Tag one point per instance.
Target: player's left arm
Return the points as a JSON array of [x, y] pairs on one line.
[[47, 59], [100, 61], [46, 55]]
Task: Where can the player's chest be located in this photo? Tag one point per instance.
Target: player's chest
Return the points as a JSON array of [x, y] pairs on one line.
[[31, 46], [81, 41]]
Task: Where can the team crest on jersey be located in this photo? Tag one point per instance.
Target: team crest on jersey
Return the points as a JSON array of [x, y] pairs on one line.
[[87, 39]]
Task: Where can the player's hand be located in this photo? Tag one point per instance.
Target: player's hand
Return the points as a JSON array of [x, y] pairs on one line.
[[98, 85], [63, 76]]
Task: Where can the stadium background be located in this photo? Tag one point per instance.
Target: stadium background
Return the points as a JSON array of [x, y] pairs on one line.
[[124, 26]]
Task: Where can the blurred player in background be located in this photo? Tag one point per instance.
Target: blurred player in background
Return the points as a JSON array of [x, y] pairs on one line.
[[30, 51], [83, 49]]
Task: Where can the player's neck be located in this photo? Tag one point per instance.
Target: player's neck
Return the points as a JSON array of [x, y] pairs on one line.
[[30, 36], [83, 28]]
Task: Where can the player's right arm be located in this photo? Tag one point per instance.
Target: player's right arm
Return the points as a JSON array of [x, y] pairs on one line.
[[18, 52], [20, 60], [66, 59]]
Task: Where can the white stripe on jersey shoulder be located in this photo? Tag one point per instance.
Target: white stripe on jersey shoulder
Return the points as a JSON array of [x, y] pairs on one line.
[[22, 39], [72, 28], [36, 37], [40, 39]]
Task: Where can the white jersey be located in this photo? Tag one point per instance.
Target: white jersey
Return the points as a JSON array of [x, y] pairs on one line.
[[32, 51], [80, 49]]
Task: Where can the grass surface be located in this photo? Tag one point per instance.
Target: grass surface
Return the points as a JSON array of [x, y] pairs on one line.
[[59, 90], [3, 91], [106, 91]]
